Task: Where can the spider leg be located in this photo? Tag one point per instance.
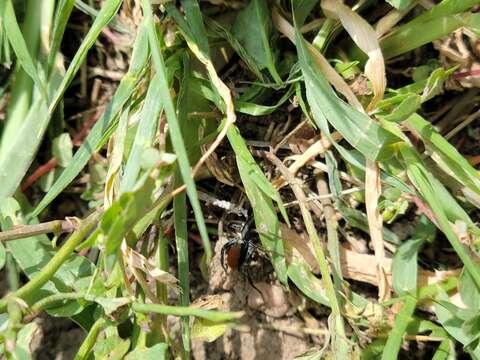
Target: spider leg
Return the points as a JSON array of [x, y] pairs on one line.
[[250, 281]]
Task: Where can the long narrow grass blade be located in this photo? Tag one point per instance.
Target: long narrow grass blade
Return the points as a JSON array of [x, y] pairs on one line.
[[13, 168], [62, 15], [261, 193], [147, 127], [428, 187], [412, 36], [175, 133], [395, 337], [105, 126], [12, 30], [106, 14]]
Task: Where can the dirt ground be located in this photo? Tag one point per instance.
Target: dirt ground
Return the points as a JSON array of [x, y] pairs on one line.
[[271, 329]]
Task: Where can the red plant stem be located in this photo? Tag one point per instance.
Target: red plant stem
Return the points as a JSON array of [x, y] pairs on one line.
[[52, 163], [424, 209], [37, 174], [466, 74]]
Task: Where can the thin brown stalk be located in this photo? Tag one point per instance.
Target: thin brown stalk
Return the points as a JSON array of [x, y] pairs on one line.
[[24, 231]]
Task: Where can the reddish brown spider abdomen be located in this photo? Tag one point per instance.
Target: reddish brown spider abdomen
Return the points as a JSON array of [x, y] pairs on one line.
[[233, 256]]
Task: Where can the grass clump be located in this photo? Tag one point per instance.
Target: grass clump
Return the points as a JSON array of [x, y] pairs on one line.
[[158, 125]]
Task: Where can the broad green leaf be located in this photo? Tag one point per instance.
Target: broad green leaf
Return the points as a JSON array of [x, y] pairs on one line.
[[33, 253], [252, 29], [261, 193], [452, 320], [156, 352], [111, 347], [221, 31], [468, 291], [308, 283], [206, 330], [124, 214], [358, 129], [62, 149]]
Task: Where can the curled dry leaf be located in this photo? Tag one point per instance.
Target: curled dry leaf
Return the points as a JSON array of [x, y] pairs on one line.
[[366, 39], [135, 260]]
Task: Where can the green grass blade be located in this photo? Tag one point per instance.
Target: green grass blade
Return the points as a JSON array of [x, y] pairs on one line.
[[261, 193], [14, 34], [174, 128], [106, 14], [22, 86], [106, 124], [395, 337], [412, 36], [404, 266], [357, 128], [181, 241], [444, 8], [422, 180], [145, 134], [62, 15], [445, 154], [13, 168]]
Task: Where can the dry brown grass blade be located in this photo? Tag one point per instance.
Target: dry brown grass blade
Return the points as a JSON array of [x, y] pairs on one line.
[[327, 70], [317, 148], [366, 39], [373, 190]]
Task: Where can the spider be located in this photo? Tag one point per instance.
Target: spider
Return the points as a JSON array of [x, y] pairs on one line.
[[239, 250]]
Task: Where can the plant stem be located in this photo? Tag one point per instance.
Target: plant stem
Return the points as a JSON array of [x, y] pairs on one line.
[[53, 265], [186, 311], [90, 340], [25, 231]]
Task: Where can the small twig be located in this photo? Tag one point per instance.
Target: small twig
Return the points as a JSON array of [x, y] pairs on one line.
[[24, 231]]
